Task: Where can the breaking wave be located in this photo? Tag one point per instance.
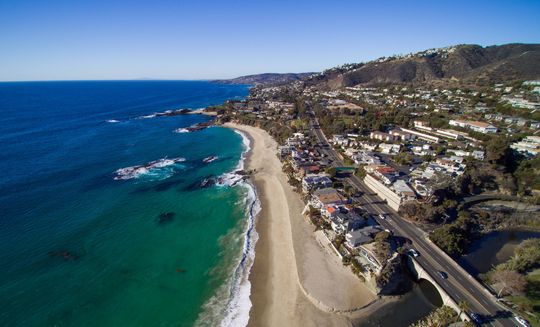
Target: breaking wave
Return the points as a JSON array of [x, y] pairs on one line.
[[158, 169]]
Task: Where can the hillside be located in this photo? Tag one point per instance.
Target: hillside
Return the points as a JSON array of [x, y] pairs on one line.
[[465, 64], [266, 79]]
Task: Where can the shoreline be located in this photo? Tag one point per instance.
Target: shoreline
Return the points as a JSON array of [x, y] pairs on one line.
[[294, 281]]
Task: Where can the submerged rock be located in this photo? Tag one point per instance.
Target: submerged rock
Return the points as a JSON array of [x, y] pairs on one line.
[[66, 255], [165, 217]]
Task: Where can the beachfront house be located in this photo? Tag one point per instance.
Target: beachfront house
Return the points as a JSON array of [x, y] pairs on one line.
[[327, 197], [355, 238], [314, 182], [343, 220]]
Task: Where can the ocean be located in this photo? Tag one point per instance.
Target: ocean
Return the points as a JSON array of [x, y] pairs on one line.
[[104, 220]]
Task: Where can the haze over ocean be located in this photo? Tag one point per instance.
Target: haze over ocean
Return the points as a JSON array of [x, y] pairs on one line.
[[80, 248]]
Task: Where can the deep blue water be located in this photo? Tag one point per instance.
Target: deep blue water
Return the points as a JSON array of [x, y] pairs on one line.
[[80, 248]]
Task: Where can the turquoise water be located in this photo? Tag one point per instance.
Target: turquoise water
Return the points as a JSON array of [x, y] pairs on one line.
[[80, 248]]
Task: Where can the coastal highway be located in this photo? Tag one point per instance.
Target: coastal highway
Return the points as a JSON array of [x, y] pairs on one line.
[[459, 284]]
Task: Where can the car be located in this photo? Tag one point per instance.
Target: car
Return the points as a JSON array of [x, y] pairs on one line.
[[476, 317], [442, 274], [414, 253], [522, 321], [382, 216]]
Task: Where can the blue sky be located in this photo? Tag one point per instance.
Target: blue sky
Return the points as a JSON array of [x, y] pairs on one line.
[[63, 40]]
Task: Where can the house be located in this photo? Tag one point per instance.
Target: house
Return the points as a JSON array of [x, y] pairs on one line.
[[449, 166], [478, 155], [529, 145], [385, 173], [381, 136], [344, 221], [315, 182], [361, 236], [402, 135], [365, 158], [476, 126], [340, 140], [368, 146], [284, 150], [422, 151], [420, 186], [422, 125], [457, 159], [458, 152], [326, 197], [367, 251], [389, 148], [403, 190], [308, 169]]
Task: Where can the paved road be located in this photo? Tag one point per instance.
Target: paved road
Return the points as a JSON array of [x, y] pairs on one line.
[[459, 285]]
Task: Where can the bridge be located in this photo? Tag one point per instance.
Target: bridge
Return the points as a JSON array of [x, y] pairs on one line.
[[420, 273]]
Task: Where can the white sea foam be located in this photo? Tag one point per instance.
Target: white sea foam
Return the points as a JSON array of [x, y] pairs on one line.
[[237, 310], [235, 293], [147, 116], [153, 169]]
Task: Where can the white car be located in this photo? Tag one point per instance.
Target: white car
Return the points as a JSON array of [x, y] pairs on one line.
[[414, 253], [522, 321], [382, 216]]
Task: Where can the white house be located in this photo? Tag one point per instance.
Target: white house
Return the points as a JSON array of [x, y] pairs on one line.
[[476, 126]]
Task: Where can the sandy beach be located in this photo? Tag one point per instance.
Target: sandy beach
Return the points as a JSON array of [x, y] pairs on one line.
[[296, 280]]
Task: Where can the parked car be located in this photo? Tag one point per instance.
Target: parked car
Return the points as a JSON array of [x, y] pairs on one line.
[[382, 216], [442, 274], [522, 321], [476, 317], [414, 253]]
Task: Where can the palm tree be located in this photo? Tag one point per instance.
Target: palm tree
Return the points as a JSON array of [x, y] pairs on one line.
[[463, 307]]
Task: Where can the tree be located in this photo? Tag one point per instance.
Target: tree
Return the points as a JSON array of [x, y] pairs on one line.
[[463, 307], [442, 316], [331, 171], [382, 236], [509, 282], [451, 239], [498, 152], [526, 257]]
